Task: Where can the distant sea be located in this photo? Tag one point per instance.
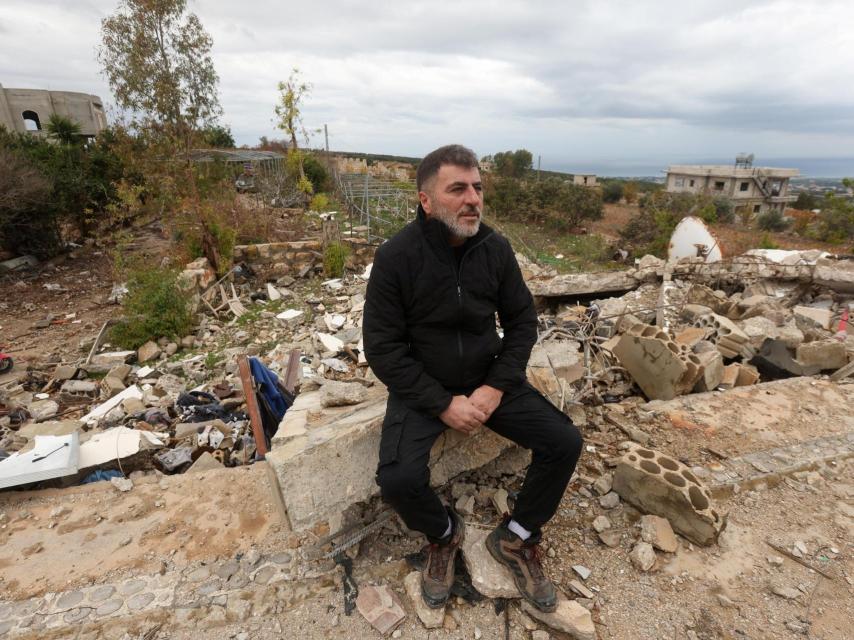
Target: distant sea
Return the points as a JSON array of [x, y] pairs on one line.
[[809, 167]]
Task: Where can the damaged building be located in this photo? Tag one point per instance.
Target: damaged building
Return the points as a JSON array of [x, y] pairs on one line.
[[29, 110]]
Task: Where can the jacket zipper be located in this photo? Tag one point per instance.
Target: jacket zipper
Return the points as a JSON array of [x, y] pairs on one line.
[[460, 302]]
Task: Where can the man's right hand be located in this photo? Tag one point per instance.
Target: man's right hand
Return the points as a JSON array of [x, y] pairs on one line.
[[462, 415]]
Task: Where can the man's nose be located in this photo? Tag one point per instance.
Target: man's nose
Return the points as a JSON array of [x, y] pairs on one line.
[[472, 196]]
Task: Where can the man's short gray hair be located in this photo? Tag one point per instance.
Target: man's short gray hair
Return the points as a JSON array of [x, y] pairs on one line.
[[454, 154]]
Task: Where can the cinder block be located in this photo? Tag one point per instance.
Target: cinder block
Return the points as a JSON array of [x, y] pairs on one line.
[[662, 486]]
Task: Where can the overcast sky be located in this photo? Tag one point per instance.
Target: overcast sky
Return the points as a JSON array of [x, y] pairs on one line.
[[586, 85]]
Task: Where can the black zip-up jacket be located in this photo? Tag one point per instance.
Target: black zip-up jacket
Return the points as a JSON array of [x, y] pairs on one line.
[[429, 325]]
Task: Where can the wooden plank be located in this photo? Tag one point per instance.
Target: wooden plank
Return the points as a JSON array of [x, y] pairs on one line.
[[248, 384], [843, 372]]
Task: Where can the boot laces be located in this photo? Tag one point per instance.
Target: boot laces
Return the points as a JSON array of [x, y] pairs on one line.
[[532, 558], [438, 559]]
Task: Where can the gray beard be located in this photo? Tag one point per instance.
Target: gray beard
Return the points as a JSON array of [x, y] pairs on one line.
[[449, 219]]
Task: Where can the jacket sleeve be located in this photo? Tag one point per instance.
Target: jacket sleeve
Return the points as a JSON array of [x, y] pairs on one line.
[[519, 321], [387, 346]]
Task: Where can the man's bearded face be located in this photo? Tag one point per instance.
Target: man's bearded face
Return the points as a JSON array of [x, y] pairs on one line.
[[462, 223]]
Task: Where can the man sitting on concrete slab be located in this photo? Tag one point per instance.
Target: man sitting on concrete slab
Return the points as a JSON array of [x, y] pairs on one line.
[[430, 336]]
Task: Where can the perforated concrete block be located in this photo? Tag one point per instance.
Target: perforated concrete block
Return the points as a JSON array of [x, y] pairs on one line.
[[660, 366], [658, 484], [731, 341]]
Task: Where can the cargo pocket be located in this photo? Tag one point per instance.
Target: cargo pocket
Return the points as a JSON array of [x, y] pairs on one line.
[[391, 434]]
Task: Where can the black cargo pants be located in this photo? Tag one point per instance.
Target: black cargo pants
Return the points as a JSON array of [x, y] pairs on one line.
[[524, 416]]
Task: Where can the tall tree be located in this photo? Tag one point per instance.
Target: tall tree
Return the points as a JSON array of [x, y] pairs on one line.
[[288, 110], [157, 60]]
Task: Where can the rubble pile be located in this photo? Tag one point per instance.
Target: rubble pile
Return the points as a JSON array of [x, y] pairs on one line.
[[769, 320]]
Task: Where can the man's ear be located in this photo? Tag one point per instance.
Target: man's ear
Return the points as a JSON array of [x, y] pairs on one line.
[[426, 204]]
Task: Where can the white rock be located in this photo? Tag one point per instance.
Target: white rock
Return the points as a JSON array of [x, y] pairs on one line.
[[569, 617], [643, 556], [488, 576], [430, 618], [122, 484], [334, 321], [342, 394], [582, 571], [273, 293], [330, 343], [601, 523], [657, 531]]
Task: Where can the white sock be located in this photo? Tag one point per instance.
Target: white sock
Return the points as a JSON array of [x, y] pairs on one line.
[[449, 529], [519, 530]]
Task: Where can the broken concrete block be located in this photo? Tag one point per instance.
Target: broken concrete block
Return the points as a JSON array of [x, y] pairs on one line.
[[430, 618], [273, 293], [330, 343], [747, 375], [149, 351], [112, 386], [642, 556], [601, 523], [122, 484], [120, 372], [65, 372], [205, 462], [662, 368], [109, 359], [827, 354], [691, 336], [657, 531], [41, 410], [569, 617], [79, 388], [380, 606], [729, 377], [488, 576], [51, 428], [713, 370], [602, 485], [342, 394], [662, 486], [777, 360], [169, 385], [813, 316]]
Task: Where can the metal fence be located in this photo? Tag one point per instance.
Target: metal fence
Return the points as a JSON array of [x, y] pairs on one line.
[[377, 208]]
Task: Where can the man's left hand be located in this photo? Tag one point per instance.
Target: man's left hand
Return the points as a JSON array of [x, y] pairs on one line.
[[486, 399]]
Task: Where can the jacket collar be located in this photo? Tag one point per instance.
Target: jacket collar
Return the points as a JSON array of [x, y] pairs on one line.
[[439, 236]]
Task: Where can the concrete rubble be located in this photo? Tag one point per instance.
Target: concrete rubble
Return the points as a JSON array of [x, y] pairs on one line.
[[602, 345]]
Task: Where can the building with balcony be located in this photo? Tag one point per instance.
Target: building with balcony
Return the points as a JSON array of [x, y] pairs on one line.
[[757, 189]]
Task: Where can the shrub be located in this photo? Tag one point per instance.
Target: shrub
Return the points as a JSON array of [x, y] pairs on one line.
[[835, 223], [724, 210], [335, 258], [772, 220], [612, 191], [319, 202], [554, 202], [630, 191], [155, 306], [767, 243], [316, 172]]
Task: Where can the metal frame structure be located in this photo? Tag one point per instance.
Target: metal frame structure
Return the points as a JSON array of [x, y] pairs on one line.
[[382, 206]]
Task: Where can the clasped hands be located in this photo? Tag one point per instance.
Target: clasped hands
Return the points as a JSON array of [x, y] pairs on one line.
[[468, 413]]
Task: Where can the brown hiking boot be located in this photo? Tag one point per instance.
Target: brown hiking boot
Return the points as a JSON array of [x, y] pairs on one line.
[[522, 557], [437, 577]]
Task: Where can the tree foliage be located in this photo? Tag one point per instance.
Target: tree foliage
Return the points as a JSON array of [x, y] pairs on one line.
[[512, 164], [612, 191], [157, 60], [292, 94], [218, 137], [552, 202]]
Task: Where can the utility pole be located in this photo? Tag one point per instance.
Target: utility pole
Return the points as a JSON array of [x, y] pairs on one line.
[[539, 160], [326, 135]]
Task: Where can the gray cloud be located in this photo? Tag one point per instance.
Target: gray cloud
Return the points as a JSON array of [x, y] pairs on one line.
[[581, 81]]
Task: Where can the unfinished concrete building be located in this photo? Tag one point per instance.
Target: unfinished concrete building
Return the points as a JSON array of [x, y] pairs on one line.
[[28, 110], [756, 189], [585, 180]]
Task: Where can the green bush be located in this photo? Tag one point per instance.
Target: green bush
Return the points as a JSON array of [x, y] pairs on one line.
[[553, 202], [335, 258], [154, 307], [317, 173], [767, 243], [724, 210], [835, 223], [772, 220], [612, 191], [319, 202]]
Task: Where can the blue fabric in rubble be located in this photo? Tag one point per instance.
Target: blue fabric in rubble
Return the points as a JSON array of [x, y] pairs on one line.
[[268, 387]]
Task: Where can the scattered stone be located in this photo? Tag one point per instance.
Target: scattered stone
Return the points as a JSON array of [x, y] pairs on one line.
[[342, 394], [65, 372], [42, 410], [465, 505], [122, 484], [610, 538], [789, 593], [499, 501], [610, 500], [380, 606], [827, 354], [330, 343], [569, 617], [602, 486], [430, 618], [643, 556], [149, 351], [601, 523], [205, 462], [582, 571], [581, 590], [490, 578], [657, 531]]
